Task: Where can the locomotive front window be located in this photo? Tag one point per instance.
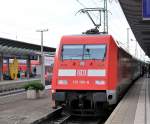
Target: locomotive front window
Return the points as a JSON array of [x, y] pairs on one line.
[[72, 52], [84, 52], [95, 52]]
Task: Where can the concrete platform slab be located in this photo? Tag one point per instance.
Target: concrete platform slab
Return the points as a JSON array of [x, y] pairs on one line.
[[16, 109], [7, 85], [134, 108]]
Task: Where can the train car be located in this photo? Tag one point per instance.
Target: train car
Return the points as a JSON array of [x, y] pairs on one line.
[[22, 66], [90, 72]]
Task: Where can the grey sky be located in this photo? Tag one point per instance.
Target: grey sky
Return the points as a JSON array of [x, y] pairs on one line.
[[19, 19]]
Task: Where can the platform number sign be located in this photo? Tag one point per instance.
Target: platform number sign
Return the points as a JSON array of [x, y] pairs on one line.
[[146, 9]]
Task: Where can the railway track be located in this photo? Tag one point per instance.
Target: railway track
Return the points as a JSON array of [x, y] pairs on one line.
[[57, 117], [11, 91], [61, 117], [13, 86]]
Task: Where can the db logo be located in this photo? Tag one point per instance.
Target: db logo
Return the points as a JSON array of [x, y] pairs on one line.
[[81, 72]]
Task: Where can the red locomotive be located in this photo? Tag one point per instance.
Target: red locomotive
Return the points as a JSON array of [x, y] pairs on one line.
[[91, 71]]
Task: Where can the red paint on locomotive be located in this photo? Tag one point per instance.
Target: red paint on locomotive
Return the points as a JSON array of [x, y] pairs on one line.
[[85, 82], [107, 64]]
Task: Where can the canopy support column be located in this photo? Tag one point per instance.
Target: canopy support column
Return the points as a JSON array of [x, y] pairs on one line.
[[28, 67], [1, 66]]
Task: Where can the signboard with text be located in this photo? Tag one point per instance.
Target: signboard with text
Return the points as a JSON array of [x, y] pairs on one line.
[[48, 61], [146, 9]]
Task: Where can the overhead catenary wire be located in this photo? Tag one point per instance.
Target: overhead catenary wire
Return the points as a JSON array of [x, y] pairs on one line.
[[101, 11], [96, 3], [110, 1], [85, 7], [81, 4], [116, 12]]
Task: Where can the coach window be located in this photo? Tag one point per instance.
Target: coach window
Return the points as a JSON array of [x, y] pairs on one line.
[[72, 52], [95, 52]]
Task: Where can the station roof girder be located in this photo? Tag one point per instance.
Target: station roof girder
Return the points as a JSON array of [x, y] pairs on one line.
[[8, 46]]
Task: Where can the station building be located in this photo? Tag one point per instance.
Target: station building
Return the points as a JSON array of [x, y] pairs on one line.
[[20, 60]]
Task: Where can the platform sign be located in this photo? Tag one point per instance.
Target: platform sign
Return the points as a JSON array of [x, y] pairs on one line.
[[49, 61], [146, 9]]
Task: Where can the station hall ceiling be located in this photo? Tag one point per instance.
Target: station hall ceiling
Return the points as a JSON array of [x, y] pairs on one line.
[[141, 28]]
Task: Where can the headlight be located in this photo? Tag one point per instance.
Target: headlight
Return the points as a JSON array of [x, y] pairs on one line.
[[62, 82], [100, 82]]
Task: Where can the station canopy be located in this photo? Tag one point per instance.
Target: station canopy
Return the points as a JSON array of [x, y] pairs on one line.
[[10, 48], [137, 13]]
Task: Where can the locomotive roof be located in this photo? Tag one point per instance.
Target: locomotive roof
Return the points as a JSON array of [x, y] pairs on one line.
[[103, 35], [88, 35]]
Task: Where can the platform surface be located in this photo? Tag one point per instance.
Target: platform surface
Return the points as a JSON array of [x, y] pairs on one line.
[[4, 82], [16, 109], [134, 108]]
